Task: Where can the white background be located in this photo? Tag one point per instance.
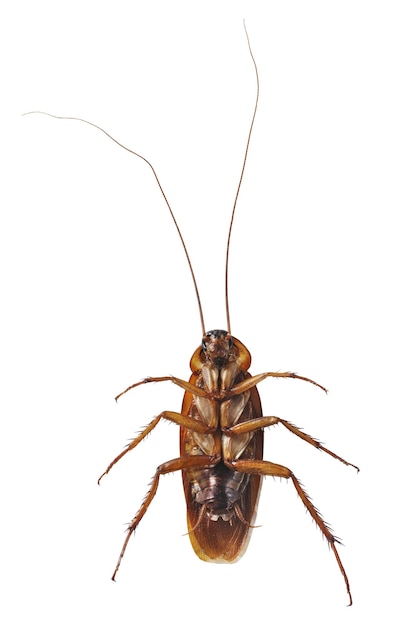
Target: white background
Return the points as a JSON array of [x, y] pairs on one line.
[[96, 295]]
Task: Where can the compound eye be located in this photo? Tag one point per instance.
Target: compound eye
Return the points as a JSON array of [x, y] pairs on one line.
[[230, 340], [204, 345]]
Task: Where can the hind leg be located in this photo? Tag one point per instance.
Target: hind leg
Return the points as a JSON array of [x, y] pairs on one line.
[[266, 468]]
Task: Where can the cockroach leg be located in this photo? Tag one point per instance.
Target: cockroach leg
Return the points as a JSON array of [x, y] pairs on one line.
[[184, 384], [253, 381], [177, 418], [181, 463], [221, 426], [245, 385], [266, 468], [264, 422]]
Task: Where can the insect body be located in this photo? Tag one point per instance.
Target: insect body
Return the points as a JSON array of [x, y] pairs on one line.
[[221, 501], [221, 434], [219, 439], [221, 446]]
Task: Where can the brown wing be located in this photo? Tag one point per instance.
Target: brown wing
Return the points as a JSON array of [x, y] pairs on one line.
[[223, 541]]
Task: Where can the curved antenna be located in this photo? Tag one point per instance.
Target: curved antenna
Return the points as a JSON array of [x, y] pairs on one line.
[[79, 119], [239, 184]]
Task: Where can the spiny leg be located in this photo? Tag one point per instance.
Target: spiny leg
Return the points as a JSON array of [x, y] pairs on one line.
[[183, 384], [262, 422], [245, 385], [182, 463], [266, 468], [248, 383], [182, 420]]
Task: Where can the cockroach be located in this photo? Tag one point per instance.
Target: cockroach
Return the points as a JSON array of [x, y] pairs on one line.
[[221, 428]]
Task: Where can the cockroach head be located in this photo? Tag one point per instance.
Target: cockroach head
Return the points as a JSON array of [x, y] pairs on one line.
[[218, 347]]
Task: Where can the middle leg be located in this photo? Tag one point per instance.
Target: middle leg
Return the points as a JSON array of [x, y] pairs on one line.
[[263, 422]]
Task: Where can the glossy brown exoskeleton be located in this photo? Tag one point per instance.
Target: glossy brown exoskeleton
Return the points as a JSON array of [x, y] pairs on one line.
[[221, 450], [221, 433]]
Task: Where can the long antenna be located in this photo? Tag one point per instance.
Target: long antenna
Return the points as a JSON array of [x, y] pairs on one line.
[[239, 185], [79, 119], [140, 156]]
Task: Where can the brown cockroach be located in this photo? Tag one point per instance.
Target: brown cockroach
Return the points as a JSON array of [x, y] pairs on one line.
[[221, 430]]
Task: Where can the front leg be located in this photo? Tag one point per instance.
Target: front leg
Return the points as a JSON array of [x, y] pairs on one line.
[[184, 384], [253, 381]]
